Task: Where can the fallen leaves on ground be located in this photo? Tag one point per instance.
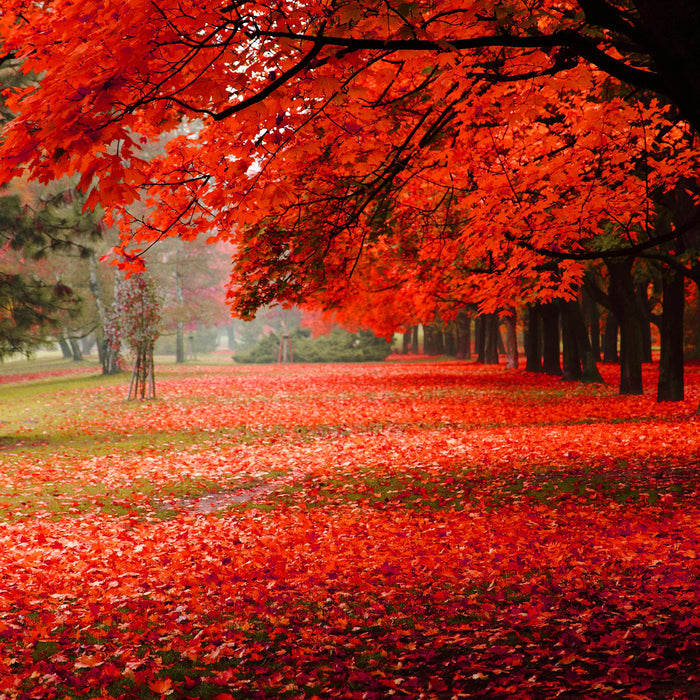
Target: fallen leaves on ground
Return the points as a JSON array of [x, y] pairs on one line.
[[429, 530]]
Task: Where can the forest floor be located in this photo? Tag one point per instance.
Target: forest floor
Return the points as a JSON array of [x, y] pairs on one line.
[[400, 529]]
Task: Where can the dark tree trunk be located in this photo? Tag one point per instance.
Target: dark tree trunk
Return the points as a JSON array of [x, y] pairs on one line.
[[591, 314], [550, 339], [533, 344], [644, 318], [438, 339], [500, 345], [450, 341], [406, 344], [428, 339], [576, 330], [480, 338], [511, 340], [612, 327], [625, 306], [464, 340], [671, 362], [491, 333], [414, 340], [572, 371]]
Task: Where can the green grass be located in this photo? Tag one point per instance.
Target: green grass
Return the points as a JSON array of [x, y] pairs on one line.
[[34, 423]]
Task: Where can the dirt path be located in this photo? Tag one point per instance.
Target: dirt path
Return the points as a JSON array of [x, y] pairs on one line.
[[212, 502]]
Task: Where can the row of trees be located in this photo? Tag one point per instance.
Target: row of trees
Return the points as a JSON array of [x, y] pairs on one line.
[[388, 162]]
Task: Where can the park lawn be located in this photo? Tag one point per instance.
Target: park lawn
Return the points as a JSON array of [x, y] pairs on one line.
[[435, 529]]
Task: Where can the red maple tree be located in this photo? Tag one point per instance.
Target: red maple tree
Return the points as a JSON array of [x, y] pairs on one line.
[[485, 151]]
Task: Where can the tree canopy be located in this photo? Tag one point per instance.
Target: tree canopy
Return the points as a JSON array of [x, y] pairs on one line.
[[473, 151]]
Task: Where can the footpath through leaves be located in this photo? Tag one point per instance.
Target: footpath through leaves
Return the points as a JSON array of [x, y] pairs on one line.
[[409, 530]]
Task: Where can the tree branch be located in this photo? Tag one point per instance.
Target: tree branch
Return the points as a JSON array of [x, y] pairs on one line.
[[623, 252], [568, 38], [269, 89]]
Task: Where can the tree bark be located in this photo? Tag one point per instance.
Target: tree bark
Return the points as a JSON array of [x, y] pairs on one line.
[[576, 329], [450, 340], [533, 341], [645, 318], [75, 350], [671, 384], [491, 334], [626, 308], [180, 342], [428, 339], [464, 341], [108, 360], [571, 361], [591, 314], [480, 338], [550, 339], [511, 342], [180, 297], [610, 353], [406, 343], [438, 339], [143, 385], [65, 348]]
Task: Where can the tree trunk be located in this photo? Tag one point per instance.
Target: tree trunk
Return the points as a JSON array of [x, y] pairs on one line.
[[428, 339], [576, 329], [438, 339], [671, 362], [550, 339], [406, 343], [142, 385], [533, 341], [591, 314], [626, 307], [500, 345], [511, 339], [108, 358], [571, 361], [612, 327], [644, 318], [75, 350], [464, 340], [491, 333], [450, 340], [480, 338], [180, 297], [65, 348], [180, 343], [112, 335]]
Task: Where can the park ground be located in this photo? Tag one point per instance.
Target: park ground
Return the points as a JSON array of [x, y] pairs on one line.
[[400, 529]]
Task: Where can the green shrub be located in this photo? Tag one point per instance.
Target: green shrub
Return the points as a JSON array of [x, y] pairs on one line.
[[338, 346]]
